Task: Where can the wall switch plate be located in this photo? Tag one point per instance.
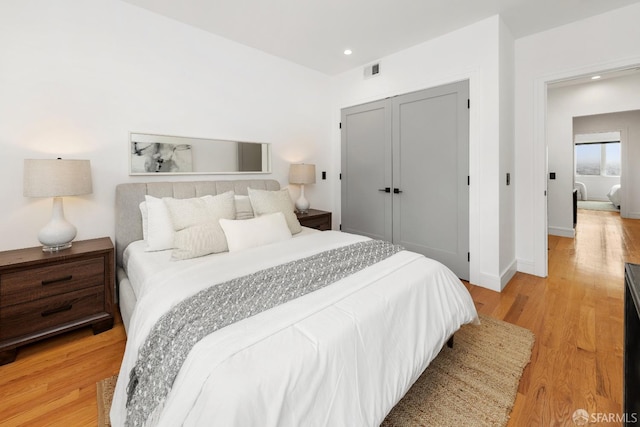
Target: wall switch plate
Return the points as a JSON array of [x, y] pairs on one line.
[[324, 175], [552, 175]]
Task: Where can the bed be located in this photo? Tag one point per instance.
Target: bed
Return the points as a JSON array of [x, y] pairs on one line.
[[341, 355], [614, 195]]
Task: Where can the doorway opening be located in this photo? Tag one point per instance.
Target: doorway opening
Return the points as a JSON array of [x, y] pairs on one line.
[[586, 125], [597, 168]]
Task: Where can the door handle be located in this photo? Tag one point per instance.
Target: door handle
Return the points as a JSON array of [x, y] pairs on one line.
[[385, 189], [397, 191]]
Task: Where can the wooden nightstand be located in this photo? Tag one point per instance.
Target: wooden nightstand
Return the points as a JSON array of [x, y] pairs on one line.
[[44, 294], [315, 218]]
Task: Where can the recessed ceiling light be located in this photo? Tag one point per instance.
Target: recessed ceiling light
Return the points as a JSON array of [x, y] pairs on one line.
[[595, 77], [348, 52]]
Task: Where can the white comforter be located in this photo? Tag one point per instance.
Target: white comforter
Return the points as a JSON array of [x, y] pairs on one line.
[[341, 356]]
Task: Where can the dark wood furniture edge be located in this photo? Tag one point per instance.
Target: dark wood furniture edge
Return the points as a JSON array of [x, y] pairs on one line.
[[315, 215], [24, 258], [8, 355], [450, 342], [631, 345], [27, 257]]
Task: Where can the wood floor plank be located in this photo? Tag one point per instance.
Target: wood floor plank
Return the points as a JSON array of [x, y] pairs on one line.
[[576, 314]]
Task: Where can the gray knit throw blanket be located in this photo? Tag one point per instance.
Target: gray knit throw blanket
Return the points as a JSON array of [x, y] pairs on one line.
[[177, 331]]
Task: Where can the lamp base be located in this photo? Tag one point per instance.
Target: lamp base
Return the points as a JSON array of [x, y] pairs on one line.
[[58, 233], [302, 204], [56, 248]]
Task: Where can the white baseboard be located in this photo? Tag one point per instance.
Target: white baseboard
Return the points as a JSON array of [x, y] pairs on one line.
[[562, 232], [507, 274], [528, 267]]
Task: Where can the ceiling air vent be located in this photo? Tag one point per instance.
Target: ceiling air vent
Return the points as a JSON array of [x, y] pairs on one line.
[[371, 70]]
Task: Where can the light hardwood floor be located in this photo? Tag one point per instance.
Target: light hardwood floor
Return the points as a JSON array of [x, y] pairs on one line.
[[576, 314]]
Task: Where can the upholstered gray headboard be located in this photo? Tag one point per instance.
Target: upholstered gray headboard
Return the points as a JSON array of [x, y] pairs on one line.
[[129, 196]]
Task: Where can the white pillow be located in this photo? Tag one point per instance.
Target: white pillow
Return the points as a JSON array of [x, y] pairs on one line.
[[159, 235], [266, 202], [244, 210], [145, 215], [249, 233], [195, 221], [188, 212]]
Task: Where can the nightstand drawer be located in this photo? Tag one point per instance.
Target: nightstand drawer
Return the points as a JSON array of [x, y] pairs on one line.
[[28, 285], [46, 313], [319, 223]]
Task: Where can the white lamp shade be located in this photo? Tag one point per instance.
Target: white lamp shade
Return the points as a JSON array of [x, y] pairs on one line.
[[302, 174], [56, 177]]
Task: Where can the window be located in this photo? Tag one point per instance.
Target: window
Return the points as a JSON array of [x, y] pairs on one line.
[[600, 157], [612, 159], [588, 159]]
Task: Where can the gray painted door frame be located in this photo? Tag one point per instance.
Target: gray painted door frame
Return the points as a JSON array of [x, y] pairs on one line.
[[405, 172]]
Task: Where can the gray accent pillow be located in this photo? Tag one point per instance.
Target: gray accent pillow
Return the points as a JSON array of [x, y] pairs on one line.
[[267, 202], [199, 240]]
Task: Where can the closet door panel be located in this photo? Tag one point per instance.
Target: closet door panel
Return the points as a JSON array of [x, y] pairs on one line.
[[430, 143], [366, 169], [418, 145]]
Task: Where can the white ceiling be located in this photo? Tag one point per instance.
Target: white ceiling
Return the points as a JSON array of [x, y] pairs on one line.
[[314, 33]]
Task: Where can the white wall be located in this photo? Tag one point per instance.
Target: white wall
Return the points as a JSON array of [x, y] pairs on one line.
[[470, 53], [597, 187], [77, 76], [576, 49], [563, 105], [507, 158]]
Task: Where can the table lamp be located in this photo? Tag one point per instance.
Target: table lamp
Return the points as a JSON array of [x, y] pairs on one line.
[[302, 174], [56, 178]]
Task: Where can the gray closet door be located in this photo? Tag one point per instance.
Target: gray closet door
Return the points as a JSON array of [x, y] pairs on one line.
[[417, 146], [431, 168], [366, 169]]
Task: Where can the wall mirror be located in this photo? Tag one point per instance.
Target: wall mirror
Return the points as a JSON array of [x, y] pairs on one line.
[[151, 154]]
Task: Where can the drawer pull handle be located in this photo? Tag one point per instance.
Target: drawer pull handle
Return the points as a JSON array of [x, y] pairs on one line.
[[58, 280], [56, 310]]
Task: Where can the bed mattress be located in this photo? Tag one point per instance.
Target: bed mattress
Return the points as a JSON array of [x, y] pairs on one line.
[[141, 266]]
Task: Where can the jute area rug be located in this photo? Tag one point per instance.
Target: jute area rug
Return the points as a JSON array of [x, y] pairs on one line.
[[473, 384]]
